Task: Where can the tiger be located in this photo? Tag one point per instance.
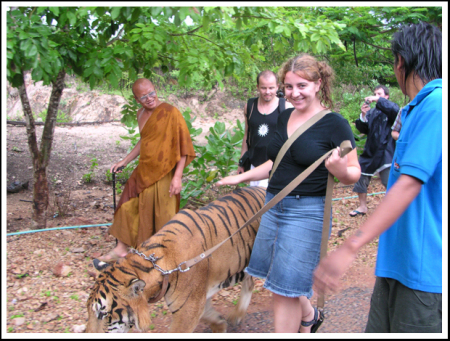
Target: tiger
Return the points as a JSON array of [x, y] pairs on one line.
[[119, 298]]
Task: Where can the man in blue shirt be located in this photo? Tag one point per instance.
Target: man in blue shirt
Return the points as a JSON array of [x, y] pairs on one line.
[[407, 296]]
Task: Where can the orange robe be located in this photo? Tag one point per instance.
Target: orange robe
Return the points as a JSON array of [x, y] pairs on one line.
[[145, 205]]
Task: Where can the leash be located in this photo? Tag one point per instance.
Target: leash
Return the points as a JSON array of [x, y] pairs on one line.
[[345, 148]]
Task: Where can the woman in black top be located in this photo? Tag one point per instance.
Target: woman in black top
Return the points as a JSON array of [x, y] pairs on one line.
[[287, 246]]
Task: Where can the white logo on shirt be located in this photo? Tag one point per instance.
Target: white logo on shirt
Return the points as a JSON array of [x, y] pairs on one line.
[[263, 130]]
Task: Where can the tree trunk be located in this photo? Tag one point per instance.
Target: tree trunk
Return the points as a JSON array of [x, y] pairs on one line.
[[40, 158], [354, 51]]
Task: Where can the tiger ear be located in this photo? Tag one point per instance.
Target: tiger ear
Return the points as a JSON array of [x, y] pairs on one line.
[[101, 266], [136, 288]]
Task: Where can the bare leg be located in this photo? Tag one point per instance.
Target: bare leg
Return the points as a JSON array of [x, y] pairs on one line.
[[119, 251], [287, 313], [362, 203], [308, 313]]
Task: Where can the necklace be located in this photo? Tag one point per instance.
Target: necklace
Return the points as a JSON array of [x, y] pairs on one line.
[[259, 105]]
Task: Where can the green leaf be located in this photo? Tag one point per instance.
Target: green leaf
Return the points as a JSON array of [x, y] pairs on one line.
[[212, 175], [82, 49], [72, 55], [98, 72], [23, 35], [115, 12], [72, 17], [31, 51], [113, 80], [315, 37], [37, 73], [279, 29], [156, 11], [54, 10]]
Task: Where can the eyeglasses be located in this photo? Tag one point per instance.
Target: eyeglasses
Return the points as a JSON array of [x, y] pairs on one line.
[[151, 94]]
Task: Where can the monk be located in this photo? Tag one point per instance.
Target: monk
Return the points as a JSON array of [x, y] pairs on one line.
[[151, 196]]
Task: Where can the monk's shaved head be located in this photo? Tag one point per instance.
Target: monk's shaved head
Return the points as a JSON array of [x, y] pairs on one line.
[[140, 82]]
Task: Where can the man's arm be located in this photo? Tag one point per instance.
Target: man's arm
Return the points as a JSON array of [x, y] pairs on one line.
[[396, 201], [389, 108], [362, 123], [130, 157], [175, 185]]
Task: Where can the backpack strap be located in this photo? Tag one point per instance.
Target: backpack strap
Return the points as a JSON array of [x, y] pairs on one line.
[[282, 105], [250, 104]]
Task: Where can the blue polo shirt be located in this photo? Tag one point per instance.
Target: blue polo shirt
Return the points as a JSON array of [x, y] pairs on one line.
[[410, 251]]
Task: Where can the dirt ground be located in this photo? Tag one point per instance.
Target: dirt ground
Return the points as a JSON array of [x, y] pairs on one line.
[[38, 301]]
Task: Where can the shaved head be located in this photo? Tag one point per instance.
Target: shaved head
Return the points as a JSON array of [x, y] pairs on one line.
[[140, 82]]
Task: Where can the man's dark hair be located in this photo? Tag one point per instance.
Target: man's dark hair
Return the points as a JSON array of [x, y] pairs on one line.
[[266, 74], [385, 89], [420, 45]]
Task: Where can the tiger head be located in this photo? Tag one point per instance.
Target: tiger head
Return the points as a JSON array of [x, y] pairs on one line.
[[117, 301]]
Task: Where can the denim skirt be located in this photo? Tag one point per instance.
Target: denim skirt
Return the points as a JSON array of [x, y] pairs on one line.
[[287, 246]]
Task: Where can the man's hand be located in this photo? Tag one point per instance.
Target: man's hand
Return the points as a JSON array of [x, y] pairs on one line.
[[371, 99], [175, 186], [331, 269], [114, 168], [364, 109]]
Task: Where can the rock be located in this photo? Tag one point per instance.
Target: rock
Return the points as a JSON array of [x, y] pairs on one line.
[[39, 252], [18, 321], [17, 186], [77, 250], [79, 328], [61, 270], [49, 317]]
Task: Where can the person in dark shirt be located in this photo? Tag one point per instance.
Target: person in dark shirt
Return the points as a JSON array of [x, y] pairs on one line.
[[261, 115], [287, 245], [376, 123]]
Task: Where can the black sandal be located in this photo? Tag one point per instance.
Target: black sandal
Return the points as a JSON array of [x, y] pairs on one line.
[[315, 322]]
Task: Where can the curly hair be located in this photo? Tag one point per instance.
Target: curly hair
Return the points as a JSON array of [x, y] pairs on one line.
[[309, 68]]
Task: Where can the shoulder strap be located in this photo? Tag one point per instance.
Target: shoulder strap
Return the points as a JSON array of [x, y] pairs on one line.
[[282, 105], [249, 114], [250, 108], [300, 130]]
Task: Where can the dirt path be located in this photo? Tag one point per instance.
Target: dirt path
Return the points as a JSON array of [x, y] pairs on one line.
[[37, 301]]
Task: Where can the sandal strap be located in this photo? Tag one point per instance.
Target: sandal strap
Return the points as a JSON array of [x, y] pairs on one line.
[[313, 321]]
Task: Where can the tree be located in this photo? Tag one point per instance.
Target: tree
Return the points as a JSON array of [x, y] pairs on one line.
[[366, 36], [100, 43], [52, 43]]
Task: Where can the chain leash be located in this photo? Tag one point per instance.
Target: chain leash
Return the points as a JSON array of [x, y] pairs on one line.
[[154, 259]]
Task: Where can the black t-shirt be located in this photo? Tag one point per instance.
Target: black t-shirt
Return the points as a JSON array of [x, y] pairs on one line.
[[261, 129], [324, 135]]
